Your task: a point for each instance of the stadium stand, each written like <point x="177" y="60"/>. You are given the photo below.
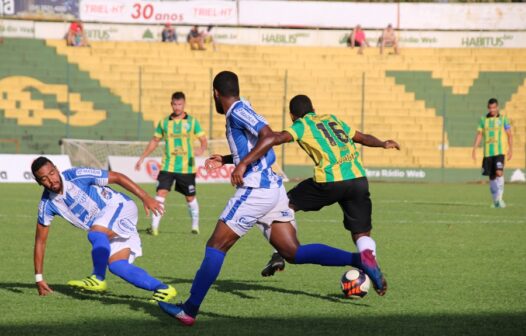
<point x="404" y="96"/>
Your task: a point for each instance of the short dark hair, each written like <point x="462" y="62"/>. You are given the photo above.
<point x="227" y="84"/>
<point x="178" y="95"/>
<point x="38" y="163"/>
<point x="300" y="105"/>
<point x="493" y="101"/>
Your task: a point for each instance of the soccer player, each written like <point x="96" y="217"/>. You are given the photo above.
<point x="82" y="197"/>
<point x="178" y="131"/>
<point x="339" y="176"/>
<point x="494" y="127"/>
<point x="260" y="198"/>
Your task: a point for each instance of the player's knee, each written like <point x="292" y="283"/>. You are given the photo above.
<point x="117" y="267"/>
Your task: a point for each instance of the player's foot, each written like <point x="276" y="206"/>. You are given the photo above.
<point x="502" y="204"/>
<point x="152" y="232"/>
<point x="276" y="263"/>
<point x="164" y="295"/>
<point x="90" y="283"/>
<point x="176" y="311"/>
<point x="195" y="229"/>
<point x="370" y="267"/>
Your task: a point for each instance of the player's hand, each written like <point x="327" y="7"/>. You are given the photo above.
<point x="474" y="154"/>
<point x="213" y="162"/>
<point x="43" y="288"/>
<point x="510" y="154"/>
<point x="391" y="144"/>
<point x="237" y="175"/>
<point x="153" y="205"/>
<point x="138" y="164"/>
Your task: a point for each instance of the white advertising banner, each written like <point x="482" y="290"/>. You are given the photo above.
<point x="17" y="167"/>
<point x="177" y="12"/>
<point x="17" y="28"/>
<point x="152" y="166"/>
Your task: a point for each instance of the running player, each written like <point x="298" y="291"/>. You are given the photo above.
<point x="178" y="131"/>
<point x="339" y="176"/>
<point x="261" y="199"/>
<point x="494" y="127"/>
<point x="81" y="196"/>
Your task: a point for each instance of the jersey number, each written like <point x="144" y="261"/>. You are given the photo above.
<point x="340" y="134"/>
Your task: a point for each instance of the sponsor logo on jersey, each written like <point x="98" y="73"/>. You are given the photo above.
<point x="88" y="171"/>
<point x="248" y="117"/>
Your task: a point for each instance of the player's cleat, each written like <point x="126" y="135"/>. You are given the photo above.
<point x="152" y="232"/>
<point x="276" y="263"/>
<point x="370" y="267"/>
<point x="502" y="204"/>
<point x="195" y="230"/>
<point x="176" y="311"/>
<point x="90" y="283"/>
<point x="164" y="295"/>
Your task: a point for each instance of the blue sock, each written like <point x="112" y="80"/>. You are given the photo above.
<point x="135" y="275"/>
<point x="326" y="256"/>
<point x="204" y="278"/>
<point x="100" y="253"/>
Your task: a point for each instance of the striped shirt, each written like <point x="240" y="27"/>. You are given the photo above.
<point x="179" y="136"/>
<point x="242" y="128"/>
<point x="328" y="141"/>
<point x="85" y="194"/>
<point x="494" y="131"/>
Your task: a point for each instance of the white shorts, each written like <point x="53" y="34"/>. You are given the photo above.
<point x="121" y="218"/>
<point x="251" y="206"/>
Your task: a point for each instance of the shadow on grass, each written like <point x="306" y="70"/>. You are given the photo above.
<point x="392" y="325"/>
<point x="241" y="288"/>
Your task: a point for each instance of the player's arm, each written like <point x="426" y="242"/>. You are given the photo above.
<point x="510" y="143"/>
<point x="38" y="259"/>
<point x="125" y="182"/>
<point x="266" y="140"/>
<point x="203" y="145"/>
<point x="154" y="142"/>
<point x="372" y="141"/>
<point x="476" y="144"/>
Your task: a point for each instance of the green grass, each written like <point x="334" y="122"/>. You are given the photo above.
<point x="454" y="266"/>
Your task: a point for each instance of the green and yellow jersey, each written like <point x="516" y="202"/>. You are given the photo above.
<point x="494" y="131"/>
<point x="328" y="141"/>
<point x="179" y="136"/>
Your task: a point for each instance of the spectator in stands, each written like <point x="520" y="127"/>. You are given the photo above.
<point x="357" y="39"/>
<point x="168" y="34"/>
<point x="207" y="37"/>
<point x="195" y="39"/>
<point x="388" y="39"/>
<point x="76" y="37"/>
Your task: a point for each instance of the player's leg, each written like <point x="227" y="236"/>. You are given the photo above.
<point x="165" y="181"/>
<point x="99" y="237"/>
<point x="276" y="262"/>
<point x="499" y="178"/>
<point x="121" y="264"/>
<point x="185" y="184"/>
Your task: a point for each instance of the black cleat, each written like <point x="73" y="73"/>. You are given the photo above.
<point x="276" y="263"/>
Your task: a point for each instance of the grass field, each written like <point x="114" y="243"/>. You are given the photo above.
<point x="454" y="266"/>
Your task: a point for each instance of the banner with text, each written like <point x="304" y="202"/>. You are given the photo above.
<point x="176" y="12"/>
<point x="40" y="9"/>
<point x="17" y="167"/>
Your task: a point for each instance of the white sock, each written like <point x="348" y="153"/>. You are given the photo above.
<point x="500" y="186"/>
<point x="156" y="219"/>
<point x="193" y="210"/>
<point x="366" y="243"/>
<point x="494" y="189"/>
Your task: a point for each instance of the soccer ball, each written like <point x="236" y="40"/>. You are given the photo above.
<point x="355" y="284"/>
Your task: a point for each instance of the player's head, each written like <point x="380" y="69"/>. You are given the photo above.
<point x="299" y="106"/>
<point x="493" y="106"/>
<point x="46" y="174"/>
<point x="178" y="103"/>
<point x="226" y="86"/>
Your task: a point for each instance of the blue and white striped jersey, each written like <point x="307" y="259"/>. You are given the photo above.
<point x="85" y="194"/>
<point x="242" y="127"/>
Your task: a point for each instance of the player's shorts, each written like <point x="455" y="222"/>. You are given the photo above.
<point x="184" y="183"/>
<point x="121" y="218"/>
<point x="351" y="195"/>
<point x="251" y="206"/>
<point x="490" y="165"/>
